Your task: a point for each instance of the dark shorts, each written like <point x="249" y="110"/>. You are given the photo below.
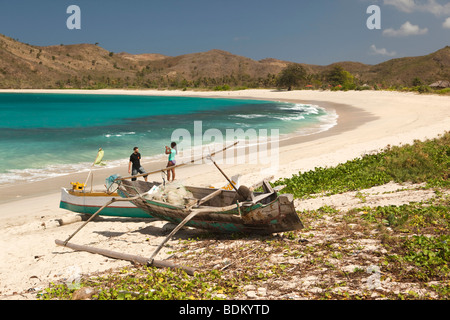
<point x="137" y="171"/>
<point x="171" y="163"/>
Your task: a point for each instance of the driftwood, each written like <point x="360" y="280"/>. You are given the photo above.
<point x="127" y="257"/>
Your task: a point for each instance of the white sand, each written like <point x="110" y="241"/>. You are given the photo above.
<point x="30" y="259"/>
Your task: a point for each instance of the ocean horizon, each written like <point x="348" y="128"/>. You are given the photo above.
<point x="44" y="135"/>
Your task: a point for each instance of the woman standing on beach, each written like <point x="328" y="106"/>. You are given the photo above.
<point x="172" y="151"/>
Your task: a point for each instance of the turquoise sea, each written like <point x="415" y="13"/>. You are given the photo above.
<point x="46" y="135"/>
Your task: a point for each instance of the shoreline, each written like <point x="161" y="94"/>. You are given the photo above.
<point x="24" y="190"/>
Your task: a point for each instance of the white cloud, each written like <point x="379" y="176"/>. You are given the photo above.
<point x="382" y="52"/>
<point x="402" y="5"/>
<point x="446" y="24"/>
<point x="409" y="6"/>
<point x="407" y="29"/>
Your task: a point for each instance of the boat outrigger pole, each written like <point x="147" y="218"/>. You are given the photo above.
<point x="209" y="157"/>
<point x="177" y="166"/>
<point x="95" y="214"/>
<point x="119" y="255"/>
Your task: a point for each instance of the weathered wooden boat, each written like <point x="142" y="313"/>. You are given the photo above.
<point x="220" y="210"/>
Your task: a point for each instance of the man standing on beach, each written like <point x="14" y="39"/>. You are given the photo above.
<point x="135" y="164"/>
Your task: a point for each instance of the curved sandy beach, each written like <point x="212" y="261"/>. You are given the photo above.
<point x="368" y="121"/>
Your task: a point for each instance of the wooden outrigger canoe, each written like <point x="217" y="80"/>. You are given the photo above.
<point x="218" y="210"/>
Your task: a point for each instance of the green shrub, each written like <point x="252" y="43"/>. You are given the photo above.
<point x="427" y="161"/>
<point x="430" y="254"/>
<point x="443" y="91"/>
<point x="225" y="87"/>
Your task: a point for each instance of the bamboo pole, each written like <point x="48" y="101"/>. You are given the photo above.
<point x="223" y="173"/>
<point x="125" y="256"/>
<point x="182" y="223"/>
<point x="178" y="165"/>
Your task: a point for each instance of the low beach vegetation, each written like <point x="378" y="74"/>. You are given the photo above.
<point x="427" y="161"/>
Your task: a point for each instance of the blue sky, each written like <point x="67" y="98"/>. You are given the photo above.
<point x="314" y="32"/>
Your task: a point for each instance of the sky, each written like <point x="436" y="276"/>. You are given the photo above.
<point x="314" y="32"/>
